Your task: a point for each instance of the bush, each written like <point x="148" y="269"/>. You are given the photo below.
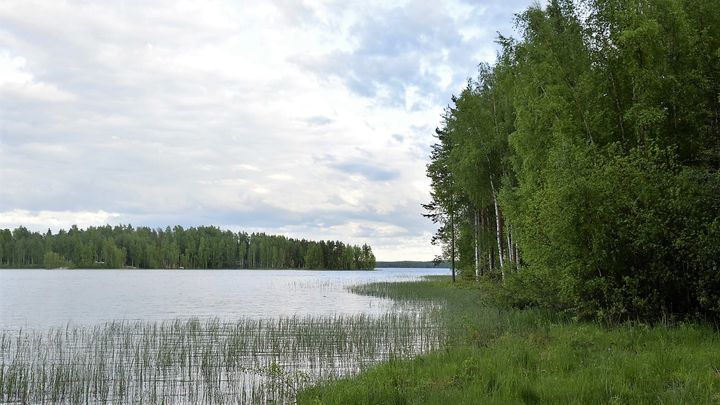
<point x="634" y="236"/>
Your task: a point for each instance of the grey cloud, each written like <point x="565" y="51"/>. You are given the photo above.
<point x="391" y="49"/>
<point x="318" y="120"/>
<point x="365" y="167"/>
<point x="407" y="220"/>
<point x="296" y="12"/>
<point x="398" y="48"/>
<point x="368" y="171"/>
<point x="156" y="140"/>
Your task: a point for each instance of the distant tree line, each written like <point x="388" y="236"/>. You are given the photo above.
<point x="581" y="170"/>
<point x="412" y="264"/>
<point x="204" y="247"/>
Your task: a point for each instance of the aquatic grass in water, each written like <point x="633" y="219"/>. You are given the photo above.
<point x="204" y="361"/>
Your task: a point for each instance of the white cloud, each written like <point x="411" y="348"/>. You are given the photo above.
<point x="291" y="117"/>
<point x="17" y="82"/>
<point x="56" y="220"/>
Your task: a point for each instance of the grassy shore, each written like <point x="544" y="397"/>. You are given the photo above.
<point x="502" y="355"/>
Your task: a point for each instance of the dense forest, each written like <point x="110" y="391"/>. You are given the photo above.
<point x="204" y="247"/>
<point x="580" y="171"/>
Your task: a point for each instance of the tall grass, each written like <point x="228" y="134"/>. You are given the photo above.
<point x="248" y="361"/>
<point x="508" y="356"/>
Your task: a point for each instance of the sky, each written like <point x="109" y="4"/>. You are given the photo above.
<point x="311" y="119"/>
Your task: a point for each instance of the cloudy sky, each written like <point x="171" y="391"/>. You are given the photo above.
<point x="305" y="118"/>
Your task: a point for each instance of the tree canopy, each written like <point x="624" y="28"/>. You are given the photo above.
<point x="204" y="247"/>
<point x="582" y="167"/>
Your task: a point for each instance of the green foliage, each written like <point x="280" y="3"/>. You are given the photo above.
<point x="52" y="260"/>
<point x="503" y="356"/>
<point x="314" y="258"/>
<point x="598" y="132"/>
<point x="202" y="247"/>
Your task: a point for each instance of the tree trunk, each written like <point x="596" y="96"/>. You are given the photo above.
<point x="514" y="248"/>
<point x="509" y="245"/>
<point x="499" y="231"/>
<point x="452" y="243"/>
<point x="483" y="226"/>
<point x="477" y="245"/>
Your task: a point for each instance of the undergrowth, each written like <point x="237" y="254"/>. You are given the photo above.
<point x="533" y="356"/>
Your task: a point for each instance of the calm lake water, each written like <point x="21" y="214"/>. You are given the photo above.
<point x="40" y="299"/>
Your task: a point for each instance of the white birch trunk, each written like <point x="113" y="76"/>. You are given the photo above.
<point x="499" y="231"/>
<point x="452" y="243"/>
<point x="477" y="245"/>
<point x="509" y="245"/>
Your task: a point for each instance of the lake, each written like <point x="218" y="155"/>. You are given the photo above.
<point x="40" y="299"/>
<point x="198" y="336"/>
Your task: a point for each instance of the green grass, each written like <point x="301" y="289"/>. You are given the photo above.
<point x="500" y="355"/>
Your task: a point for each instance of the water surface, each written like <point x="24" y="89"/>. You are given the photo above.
<point x="40" y="299"/>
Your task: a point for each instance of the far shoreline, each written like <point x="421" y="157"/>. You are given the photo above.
<point x="194" y="269"/>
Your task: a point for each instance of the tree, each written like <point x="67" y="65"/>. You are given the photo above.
<point x="314" y="257"/>
<point x="202" y="247"/>
<point x="584" y="163"/>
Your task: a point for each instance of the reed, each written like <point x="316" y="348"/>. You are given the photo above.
<point x="209" y="361"/>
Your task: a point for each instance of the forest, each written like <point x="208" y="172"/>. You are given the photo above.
<point x="579" y="172"/>
<point x="204" y="247"/>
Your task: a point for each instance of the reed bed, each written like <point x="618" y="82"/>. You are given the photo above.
<point x="208" y="361"/>
<point x="425" y="291"/>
